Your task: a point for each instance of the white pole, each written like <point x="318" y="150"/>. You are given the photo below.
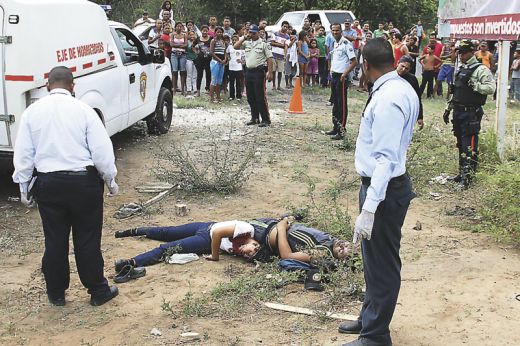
<point x="502" y="93"/>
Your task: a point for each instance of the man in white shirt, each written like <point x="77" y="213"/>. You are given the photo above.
<point x="343" y="61"/>
<point x="145" y="19"/>
<point x="279" y="42"/>
<point x="65" y="142"/>
<point x="385" y="133"/>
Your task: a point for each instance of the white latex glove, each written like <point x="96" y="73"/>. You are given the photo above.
<point x="363" y="227"/>
<point x="113" y="188"/>
<point x="27" y="200"/>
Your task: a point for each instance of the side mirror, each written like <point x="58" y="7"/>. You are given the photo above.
<point x="158" y="56"/>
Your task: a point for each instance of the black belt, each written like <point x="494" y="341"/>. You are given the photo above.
<point x="89" y="170"/>
<point x="336" y="74"/>
<point x="397" y="180"/>
<point x="463" y="108"/>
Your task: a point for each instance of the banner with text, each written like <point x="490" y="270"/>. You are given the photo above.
<point x="499" y="27"/>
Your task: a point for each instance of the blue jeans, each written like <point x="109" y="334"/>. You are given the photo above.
<point x="515" y="84"/>
<point x="189" y="238"/>
<point x="291" y="265"/>
<point x="178" y="62"/>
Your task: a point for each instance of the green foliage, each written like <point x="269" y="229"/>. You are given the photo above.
<point x="326" y="213"/>
<point x="403" y="13"/>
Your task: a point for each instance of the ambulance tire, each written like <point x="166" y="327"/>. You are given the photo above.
<point x="159" y="122"/>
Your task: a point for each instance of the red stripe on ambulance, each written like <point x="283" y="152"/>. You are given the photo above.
<point x="101" y="61"/>
<point x="87" y="65"/>
<point x="16" y="78"/>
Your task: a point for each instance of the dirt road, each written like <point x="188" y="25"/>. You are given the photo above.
<point x="458" y="288"/>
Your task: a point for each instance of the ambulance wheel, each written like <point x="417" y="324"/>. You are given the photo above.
<point x="159" y="121"/>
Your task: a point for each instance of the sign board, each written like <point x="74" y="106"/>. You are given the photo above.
<point x="481" y="19"/>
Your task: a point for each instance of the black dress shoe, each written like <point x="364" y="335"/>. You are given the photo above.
<point x="56" y="301"/>
<point x="252" y="122"/>
<point x="264" y="124"/>
<point x="337" y="137"/>
<point x="119" y="264"/>
<point x="367" y="342"/>
<point x="331" y="132"/>
<point x="97" y="300"/>
<point x="350" y="327"/>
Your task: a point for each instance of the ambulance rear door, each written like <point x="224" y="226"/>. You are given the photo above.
<point x="5" y="118"/>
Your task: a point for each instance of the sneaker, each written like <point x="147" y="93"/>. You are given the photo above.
<point x="252" y="122"/>
<point x="119" y="264"/>
<point x="97" y="300"/>
<point x="328" y="103"/>
<point x="338" y="136"/>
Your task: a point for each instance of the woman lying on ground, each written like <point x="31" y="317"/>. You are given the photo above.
<point x="234" y="237"/>
<point x="258" y="239"/>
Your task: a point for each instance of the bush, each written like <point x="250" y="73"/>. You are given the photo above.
<point x="223" y="168"/>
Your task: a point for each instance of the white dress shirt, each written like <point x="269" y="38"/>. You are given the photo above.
<point x="341" y="54"/>
<point x="61" y="133"/>
<point x="241" y="228"/>
<point x="384" y="135"/>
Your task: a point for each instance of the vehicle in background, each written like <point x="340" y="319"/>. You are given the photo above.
<point x="327" y="18"/>
<point x="114" y="73"/>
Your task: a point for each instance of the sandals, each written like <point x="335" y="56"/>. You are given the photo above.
<point x="129" y="272"/>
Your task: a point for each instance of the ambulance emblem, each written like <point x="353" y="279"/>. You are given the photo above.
<point x="142" y="85"/>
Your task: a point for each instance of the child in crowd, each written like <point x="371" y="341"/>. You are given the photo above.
<point x="428" y="62"/>
<point x="292" y="60"/>
<point x="312" y="66"/>
<point x="236" y="56"/>
<point x="303" y="55"/>
<point x="191" y="69"/>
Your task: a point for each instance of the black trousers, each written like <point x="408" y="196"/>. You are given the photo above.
<point x="428" y="78"/>
<point x="72" y="202"/>
<point x="339" y="101"/>
<point x="202" y="64"/>
<point x="323" y="71"/>
<point x="381" y="261"/>
<point x="256" y="97"/>
<point x="466" y="128"/>
<point x="235" y="84"/>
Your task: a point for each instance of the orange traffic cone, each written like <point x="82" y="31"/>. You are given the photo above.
<point x="295" y="106"/>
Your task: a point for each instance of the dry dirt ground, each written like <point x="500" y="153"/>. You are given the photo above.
<point x="458" y="288"/>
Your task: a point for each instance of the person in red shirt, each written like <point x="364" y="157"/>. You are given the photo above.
<point x="400" y="48"/>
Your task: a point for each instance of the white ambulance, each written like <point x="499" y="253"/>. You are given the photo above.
<point x="113" y="71"/>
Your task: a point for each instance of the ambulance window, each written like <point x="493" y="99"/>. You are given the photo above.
<point x="130" y="48"/>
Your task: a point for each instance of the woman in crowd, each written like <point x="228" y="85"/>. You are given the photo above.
<point x="204" y="58"/>
<point x="166" y="6"/>
<point x="219" y="55"/>
<point x="191" y="69"/>
<point x="303" y="55"/>
<point x="179" y="44"/>
<point x="155" y="34"/>
<point x="164" y="41"/>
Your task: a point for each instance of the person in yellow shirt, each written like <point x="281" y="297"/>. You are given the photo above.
<point x="485" y="57"/>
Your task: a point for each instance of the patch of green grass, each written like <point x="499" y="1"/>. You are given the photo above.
<point x="196" y="102"/>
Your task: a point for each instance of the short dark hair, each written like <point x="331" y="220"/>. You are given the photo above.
<point x="226" y="17"/>
<point x="398" y="36"/>
<point x="285" y="22"/>
<point x="378" y="53"/>
<point x="204" y="27"/>
<point x="60" y="75"/>
<point x="406" y="58"/>
<point x="334" y="24"/>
